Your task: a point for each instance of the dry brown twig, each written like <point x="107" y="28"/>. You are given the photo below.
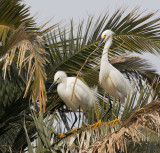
<point x="82" y="68"/>
<point x="87" y="61"/>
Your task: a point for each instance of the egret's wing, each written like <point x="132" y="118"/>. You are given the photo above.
<point x="79" y="90"/>
<point x="119" y="81"/>
<point x="85" y="97"/>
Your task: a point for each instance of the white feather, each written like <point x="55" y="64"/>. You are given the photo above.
<point x="83" y="96"/>
<point x="111" y="79"/>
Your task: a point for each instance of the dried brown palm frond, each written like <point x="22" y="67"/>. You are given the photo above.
<point x="108" y="139"/>
<point x="69" y="53"/>
<point x="146" y="117"/>
<point x="28" y="52"/>
<point x="151" y="108"/>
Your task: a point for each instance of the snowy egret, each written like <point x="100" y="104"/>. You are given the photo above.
<point x="111" y="79"/>
<point x="83" y="96"/>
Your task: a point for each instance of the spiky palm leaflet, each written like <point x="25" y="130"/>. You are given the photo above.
<point x="69" y="52"/>
<point x="133" y="34"/>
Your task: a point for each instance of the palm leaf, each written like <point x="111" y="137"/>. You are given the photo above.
<point x="17" y="30"/>
<point x="12" y="17"/>
<point x="135" y="39"/>
<point x="134" y="129"/>
<point x="15" y="13"/>
<point x="69" y="50"/>
<point x="142" y="121"/>
<point x="24" y="42"/>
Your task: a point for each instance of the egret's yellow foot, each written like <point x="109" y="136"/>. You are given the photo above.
<point x="73" y="130"/>
<point x="113" y="122"/>
<point x="97" y="124"/>
<point x="60" y="135"/>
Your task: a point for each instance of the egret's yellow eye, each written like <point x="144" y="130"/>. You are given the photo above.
<point x="57" y="79"/>
<point x="104" y="36"/>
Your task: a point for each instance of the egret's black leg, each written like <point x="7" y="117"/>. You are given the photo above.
<point x="74" y="120"/>
<point x="119" y="107"/>
<point x="110" y="107"/>
<point x="79" y="117"/>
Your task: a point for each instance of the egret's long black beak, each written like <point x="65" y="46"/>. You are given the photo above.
<point x="52" y="85"/>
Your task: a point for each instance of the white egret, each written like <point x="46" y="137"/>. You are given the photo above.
<point x="111" y="79"/>
<point x="83" y="96"/>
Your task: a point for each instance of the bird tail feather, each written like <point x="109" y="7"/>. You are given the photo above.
<point x="95" y="96"/>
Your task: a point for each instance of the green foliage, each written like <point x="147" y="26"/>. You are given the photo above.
<point x="11" y="18"/>
<point x="134" y="33"/>
<point x="87" y="138"/>
<point x="67" y="49"/>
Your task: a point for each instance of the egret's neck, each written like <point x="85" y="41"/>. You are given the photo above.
<point x="106" y="49"/>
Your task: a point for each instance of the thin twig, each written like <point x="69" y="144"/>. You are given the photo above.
<point x="86" y="62"/>
<point x="82" y="68"/>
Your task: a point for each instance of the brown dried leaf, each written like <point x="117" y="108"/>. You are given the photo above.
<point x="28" y="43"/>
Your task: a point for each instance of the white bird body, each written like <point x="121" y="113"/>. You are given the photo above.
<point x="111" y="79"/>
<point x="83" y="96"/>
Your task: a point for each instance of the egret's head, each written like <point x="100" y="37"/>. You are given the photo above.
<point x="107" y="34"/>
<point x="59" y="76"/>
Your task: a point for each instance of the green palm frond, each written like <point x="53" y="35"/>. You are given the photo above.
<point x="18" y="36"/>
<point x="140" y="127"/>
<point x="14" y="13"/>
<point x="30" y="51"/>
<point x="12" y="106"/>
<point x="12" y="17"/>
<point x="68" y="50"/>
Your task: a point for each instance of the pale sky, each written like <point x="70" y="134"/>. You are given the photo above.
<point x="78" y="9"/>
<point x="64" y="10"/>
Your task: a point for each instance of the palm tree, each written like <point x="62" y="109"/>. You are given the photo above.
<point x="67" y="49"/>
<point x="21" y="52"/>
<point x="138" y="130"/>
